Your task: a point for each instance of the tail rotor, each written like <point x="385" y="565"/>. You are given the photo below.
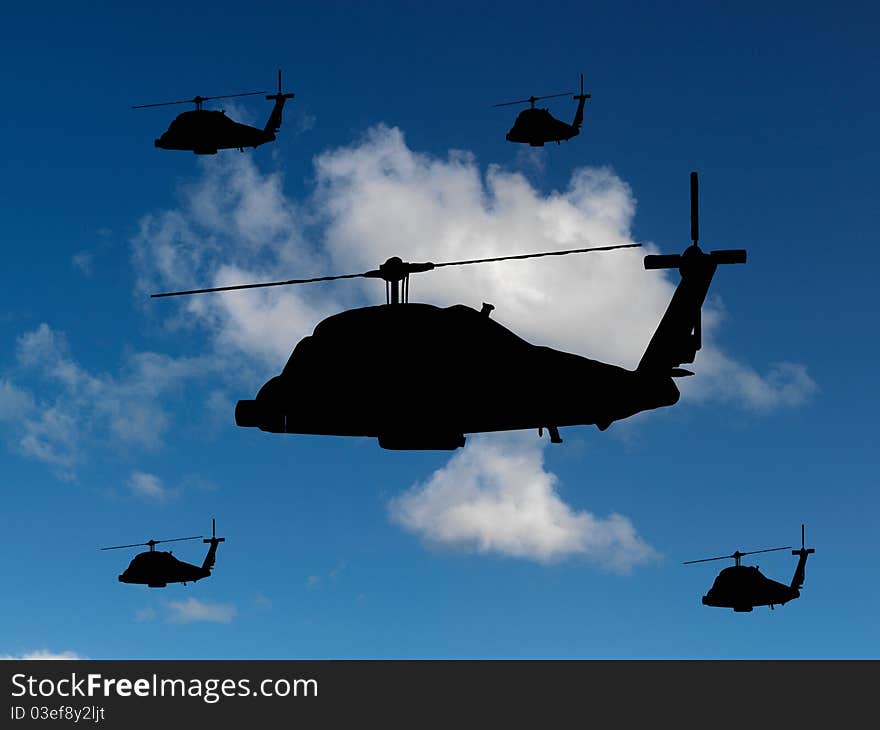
<point x="582" y="96"/>
<point x="280" y="95"/>
<point x="674" y="261"/>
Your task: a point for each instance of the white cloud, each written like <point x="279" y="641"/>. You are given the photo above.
<point x="235" y="226"/>
<point x="189" y="611"/>
<point x="262" y="601"/>
<point x="531" y="159"/>
<point x="786" y="384"/>
<point x="43" y="654"/>
<point x="145" y="615"/>
<point x="76" y="407"/>
<point x="495" y="496"/>
<point x="193" y="609"/>
<point x="14" y="401"/>
<point x="149" y="487"/>
<point x="315" y="581"/>
<point x="84" y="262"/>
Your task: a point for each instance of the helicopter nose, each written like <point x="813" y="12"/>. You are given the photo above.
<point x="247" y="413"/>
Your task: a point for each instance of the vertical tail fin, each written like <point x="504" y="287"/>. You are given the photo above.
<point x="579" y="114"/>
<point x="679" y="335"/>
<point x="211" y="557"/>
<point x="797" y="580"/>
<point x="273" y="124"/>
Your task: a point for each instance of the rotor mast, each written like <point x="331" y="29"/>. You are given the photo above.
<point x="395" y="272"/>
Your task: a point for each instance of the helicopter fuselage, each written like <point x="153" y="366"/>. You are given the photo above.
<point x="157" y="568"/>
<point x="204" y="131"/>
<point x="742" y="587"/>
<point x="537" y="126"/>
<point x="417" y="376"/>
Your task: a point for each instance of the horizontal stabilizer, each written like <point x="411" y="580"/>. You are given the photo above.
<point x="663" y="261"/>
<point x="673" y="261"/>
<point x="729" y="256"/>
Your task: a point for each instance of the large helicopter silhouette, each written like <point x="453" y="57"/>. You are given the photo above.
<point x="204" y="131"/>
<point x="417" y="376"/>
<point x="535" y="126"/>
<point x="156" y="568"/>
<point x="742" y="587"/>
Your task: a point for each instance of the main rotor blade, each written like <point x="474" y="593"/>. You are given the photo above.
<point x="256" y="286"/>
<point x="198" y="99"/>
<point x="531" y="99"/>
<point x="163" y="103"/>
<point x="152" y="542"/>
<point x="706" y="560"/>
<point x="768" y="550"/>
<point x="733" y="556"/>
<point x="230" y="96"/>
<point x="117" y="547"/>
<point x="538" y="255"/>
<point x="695" y="207"/>
<point x="377" y="274"/>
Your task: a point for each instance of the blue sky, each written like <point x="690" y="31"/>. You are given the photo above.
<point x="116" y="411"/>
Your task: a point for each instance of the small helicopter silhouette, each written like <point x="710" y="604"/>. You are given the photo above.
<point x="536" y="126"/>
<point x="156" y="568"/>
<point x="205" y="131"/>
<point x="417" y="376"/>
<point x="742" y="587"/>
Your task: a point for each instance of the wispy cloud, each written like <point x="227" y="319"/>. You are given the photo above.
<point x="43" y="654"/>
<point x="55" y="408"/>
<point x="316" y="581"/>
<point x="785" y="385"/>
<point x="192" y="610"/>
<point x="149" y="487"/>
<point x="146" y="615"/>
<point x="84" y="262"/>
